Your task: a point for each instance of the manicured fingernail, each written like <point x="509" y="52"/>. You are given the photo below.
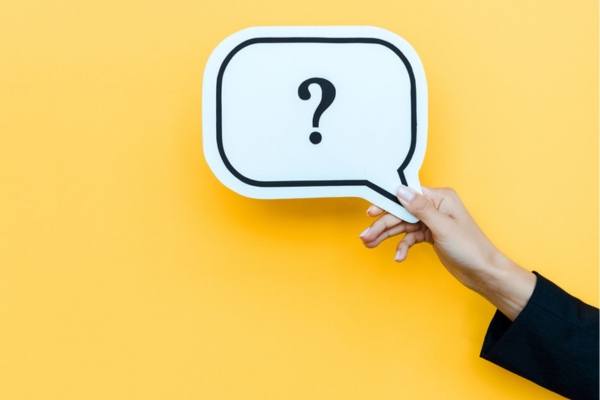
<point x="364" y="232"/>
<point x="406" y="193"/>
<point x="369" y="210"/>
<point x="397" y="259"/>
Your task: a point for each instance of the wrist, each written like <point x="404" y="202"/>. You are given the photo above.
<point x="506" y="285"/>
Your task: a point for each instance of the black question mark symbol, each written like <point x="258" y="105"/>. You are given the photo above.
<point x="327" y="97"/>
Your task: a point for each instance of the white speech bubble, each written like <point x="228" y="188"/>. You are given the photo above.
<point x="264" y="138"/>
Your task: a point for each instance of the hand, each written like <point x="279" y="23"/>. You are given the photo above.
<point x="458" y="242"/>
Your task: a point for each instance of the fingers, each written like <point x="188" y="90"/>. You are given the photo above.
<point x="402" y="227"/>
<point x="440" y="212"/>
<point x="374" y="211"/>
<point x="409" y="240"/>
<point x="386" y="221"/>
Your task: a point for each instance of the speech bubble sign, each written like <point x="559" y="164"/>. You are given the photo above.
<point x="303" y="112"/>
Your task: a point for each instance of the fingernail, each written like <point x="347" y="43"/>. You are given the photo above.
<point x="364" y="232"/>
<point x="369" y="210"/>
<point x="397" y="259"/>
<point x="406" y="193"/>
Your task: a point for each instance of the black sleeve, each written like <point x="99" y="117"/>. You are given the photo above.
<point x="553" y="342"/>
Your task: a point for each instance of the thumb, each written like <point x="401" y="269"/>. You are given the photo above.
<point x="419" y="206"/>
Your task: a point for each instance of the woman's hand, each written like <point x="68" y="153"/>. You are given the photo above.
<point x="459" y="244"/>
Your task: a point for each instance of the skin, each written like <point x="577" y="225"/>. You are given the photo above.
<point x="459" y="243"/>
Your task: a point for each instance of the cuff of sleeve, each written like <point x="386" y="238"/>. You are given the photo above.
<point x="550" y="342"/>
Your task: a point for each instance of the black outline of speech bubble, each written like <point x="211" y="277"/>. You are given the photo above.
<point x="361" y="182"/>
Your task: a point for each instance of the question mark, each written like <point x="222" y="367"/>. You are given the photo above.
<point x="327" y="97"/>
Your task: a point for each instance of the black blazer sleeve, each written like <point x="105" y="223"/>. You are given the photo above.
<point x="553" y="342"/>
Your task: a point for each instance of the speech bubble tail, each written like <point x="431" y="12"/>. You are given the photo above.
<point x="384" y="194"/>
<point x="400" y="212"/>
<point x="390" y="206"/>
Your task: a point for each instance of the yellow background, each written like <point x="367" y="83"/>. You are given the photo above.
<point x="127" y="271"/>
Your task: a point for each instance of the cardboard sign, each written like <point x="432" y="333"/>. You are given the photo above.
<point x="300" y="112"/>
